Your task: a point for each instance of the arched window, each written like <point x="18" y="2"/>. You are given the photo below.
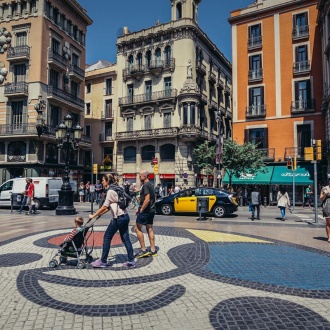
<point x="139" y="60"/>
<point x="130" y="155"/>
<point x="158" y="55"/>
<point x="167" y="152"/>
<point x="178" y="11"/>
<point x="148" y="58"/>
<point x="192" y="113"/>
<point x="130" y="61"/>
<point x="167" y="55"/>
<point x="194" y="13"/>
<point x="148" y="153"/>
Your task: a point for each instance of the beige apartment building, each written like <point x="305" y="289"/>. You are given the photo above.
<point x="173" y="84"/>
<point x="42" y="62"/>
<point x="101" y="101"/>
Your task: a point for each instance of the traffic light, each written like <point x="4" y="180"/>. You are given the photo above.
<point x="95" y="168"/>
<point x="156" y="169"/>
<point x="294" y="164"/>
<point x="308" y="153"/>
<point x="289" y="164"/>
<point x="318" y="150"/>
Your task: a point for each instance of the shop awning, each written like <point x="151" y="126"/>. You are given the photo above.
<point x="283" y="176"/>
<point x="257" y="178"/>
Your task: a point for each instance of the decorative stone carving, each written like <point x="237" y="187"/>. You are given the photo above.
<point x="5" y="39"/>
<point x="3" y="72"/>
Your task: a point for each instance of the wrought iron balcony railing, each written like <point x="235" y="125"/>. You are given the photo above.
<point x="291" y="152"/>
<point x="255" y="42"/>
<point x="256" y="75"/>
<point x="212" y="76"/>
<point x="255" y="111"/>
<point x="268" y="154"/>
<point x="148" y="97"/>
<point x="55" y="57"/>
<point x="201" y="67"/>
<point x="18" y="52"/>
<point x="108" y="113"/>
<point x="17" y="88"/>
<point x="146" y="134"/>
<point x="65" y="96"/>
<point x="74" y="69"/>
<point x="303" y="106"/>
<point x="106" y="138"/>
<point x="300" y="32"/>
<point x="301" y="67"/>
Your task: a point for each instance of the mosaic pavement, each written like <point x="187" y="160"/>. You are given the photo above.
<point x="200" y="280"/>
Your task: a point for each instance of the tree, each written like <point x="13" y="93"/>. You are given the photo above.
<point x="239" y="159"/>
<point x="204" y="157"/>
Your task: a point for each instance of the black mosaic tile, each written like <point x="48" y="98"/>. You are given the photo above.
<point x="17" y="259"/>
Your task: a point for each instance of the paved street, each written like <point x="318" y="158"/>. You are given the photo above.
<point x="228" y="273"/>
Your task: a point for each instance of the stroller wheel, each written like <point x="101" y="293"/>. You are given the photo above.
<point x="81" y="265"/>
<point x="53" y="264"/>
<point x="89" y="259"/>
<point x="63" y="260"/>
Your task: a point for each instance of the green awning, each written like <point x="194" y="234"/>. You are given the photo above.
<point x="257" y="178"/>
<point x="283" y="176"/>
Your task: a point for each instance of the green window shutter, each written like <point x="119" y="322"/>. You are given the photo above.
<point x="25" y="112"/>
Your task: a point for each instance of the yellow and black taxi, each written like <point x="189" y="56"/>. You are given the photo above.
<point x="215" y="201"/>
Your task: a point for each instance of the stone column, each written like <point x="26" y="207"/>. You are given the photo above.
<point x="10" y="9"/>
<point x="28" y="6"/>
<point x="65" y="24"/>
<point x="19" y="7"/>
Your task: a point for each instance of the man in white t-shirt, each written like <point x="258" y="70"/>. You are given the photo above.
<point x="176" y="189"/>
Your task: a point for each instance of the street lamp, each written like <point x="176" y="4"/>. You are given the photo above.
<point x="68" y="137"/>
<point x="218" y="157"/>
<point x="40" y="107"/>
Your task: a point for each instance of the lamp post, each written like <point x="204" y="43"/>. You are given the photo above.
<point x="218" y="156"/>
<point x="68" y="137"/>
<point x="40" y="107"/>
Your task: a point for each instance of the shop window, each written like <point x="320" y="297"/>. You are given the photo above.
<point x="130" y="155"/>
<point x="148" y="153"/>
<point x="167" y="152"/>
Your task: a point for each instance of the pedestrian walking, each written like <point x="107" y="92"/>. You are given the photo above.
<point x="325" y="198"/>
<point x="308" y="196"/>
<point x="244" y="196"/>
<point x="81" y="191"/>
<point x="30" y="201"/>
<point x="98" y="190"/>
<point x="145" y="216"/>
<point x="283" y="201"/>
<point x="25" y="197"/>
<point x="119" y="222"/>
<point x="255" y="202"/>
<point x="87" y="192"/>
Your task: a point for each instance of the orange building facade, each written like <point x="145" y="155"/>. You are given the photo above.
<point x="277" y="79"/>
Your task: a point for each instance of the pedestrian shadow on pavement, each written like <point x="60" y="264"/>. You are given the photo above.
<point x="323" y="238"/>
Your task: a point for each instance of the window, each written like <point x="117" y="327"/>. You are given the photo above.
<point x="147" y="122"/>
<point x="168" y="55"/>
<point x="168" y="86"/>
<point x="54" y="78"/>
<point x="300" y="25"/>
<point x="108" y="130"/>
<point x="75" y="60"/>
<point x="108" y="109"/>
<point x="255" y="67"/>
<point x="88" y="109"/>
<point x="108" y="155"/>
<point x="139" y="60"/>
<point x="158" y="55"/>
<point x="130" y="155"/>
<point x="21" y="39"/>
<point x="74" y="88"/>
<point x="192" y="113"/>
<point x="185" y="114"/>
<point x="19" y="73"/>
<point x="147" y="153"/>
<point x="108" y="86"/>
<point x="178" y="11"/>
<point x="167" y="152"/>
<point x="301" y="59"/>
<point x="88" y="130"/>
<point x="130" y="124"/>
<point x="88" y="88"/>
<point x="130" y="62"/>
<point x="17" y="114"/>
<point x="258" y="137"/>
<point x="256" y="100"/>
<point x="56" y="46"/>
<point x="303" y="94"/>
<point x="304" y="136"/>
<point x="148" y="89"/>
<point x="55" y="115"/>
<point x="130" y="93"/>
<point x="148" y="58"/>
<point x="255" y="39"/>
<point x="167" y="120"/>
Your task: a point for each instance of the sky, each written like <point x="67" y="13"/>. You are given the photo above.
<point x="110" y="15"/>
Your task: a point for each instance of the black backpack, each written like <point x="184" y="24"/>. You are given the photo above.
<point x="123" y="198"/>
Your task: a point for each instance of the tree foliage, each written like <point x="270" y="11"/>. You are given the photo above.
<point x="204" y="157"/>
<point x="243" y="158"/>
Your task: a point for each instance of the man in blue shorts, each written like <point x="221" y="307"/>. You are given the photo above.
<point x="145" y="216"/>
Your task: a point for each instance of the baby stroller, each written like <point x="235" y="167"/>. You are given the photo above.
<point x="76" y="249"/>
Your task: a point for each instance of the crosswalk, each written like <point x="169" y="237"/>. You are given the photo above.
<point x="309" y="218"/>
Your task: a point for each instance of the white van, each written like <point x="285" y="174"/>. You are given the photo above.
<point x="45" y="191"/>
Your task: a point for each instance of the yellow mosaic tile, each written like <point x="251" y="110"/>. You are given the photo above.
<point x="215" y="236"/>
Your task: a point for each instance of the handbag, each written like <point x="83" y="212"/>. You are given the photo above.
<point x="250" y="207"/>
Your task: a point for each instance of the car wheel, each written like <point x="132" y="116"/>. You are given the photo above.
<point x="37" y="203"/>
<point x="166" y="209"/>
<point x="219" y="211"/>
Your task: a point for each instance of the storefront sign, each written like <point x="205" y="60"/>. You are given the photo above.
<point x="167" y="176"/>
<point x="129" y="176"/>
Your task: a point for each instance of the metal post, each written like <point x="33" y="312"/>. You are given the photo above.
<point x="315" y="191"/>
<point x="218" y="151"/>
<point x="92" y="194"/>
<point x="293" y="189"/>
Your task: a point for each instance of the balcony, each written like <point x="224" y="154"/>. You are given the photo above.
<point x="57" y="60"/>
<point x="291" y="152"/>
<point x="147" y="134"/>
<point x="190" y="132"/>
<point x="299" y="32"/>
<point x="303" y="106"/>
<point x="24" y="129"/>
<point x="148" y="97"/>
<point x="76" y="72"/>
<point x="256" y="111"/>
<point x="135" y="71"/>
<point x="107" y="114"/>
<point x="17" y="89"/>
<point x="106" y="138"/>
<point x="301" y="67"/>
<point x="212" y="77"/>
<point x="203" y="97"/>
<point x="268" y="154"/>
<point x="19" y="53"/>
<point x="157" y="66"/>
<point x="220" y="84"/>
<point x="256" y="75"/>
<point x="65" y="97"/>
<point x="212" y="105"/>
<point x="227" y="89"/>
<point x="255" y="42"/>
<point x="200" y="68"/>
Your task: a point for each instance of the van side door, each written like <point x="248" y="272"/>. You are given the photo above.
<point x="5" y="193"/>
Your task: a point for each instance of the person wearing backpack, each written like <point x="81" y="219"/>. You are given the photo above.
<point x="115" y="203"/>
<point x="158" y="191"/>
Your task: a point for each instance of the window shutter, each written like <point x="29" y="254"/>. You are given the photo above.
<point x="25" y="112"/>
<point x="266" y="138"/>
<point x="250" y="62"/>
<point x="249" y="32"/>
<point x="294" y="21"/>
<point x="306" y="18"/>
<point x="309" y="92"/>
<point x="262" y="92"/>
<point x="297" y="54"/>
<point x="260" y="61"/>
<point x="296" y="90"/>
<point x="246" y="136"/>
<point x="250" y="97"/>
<point x="8" y="114"/>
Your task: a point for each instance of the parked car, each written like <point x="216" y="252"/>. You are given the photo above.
<point x="220" y="202"/>
<point x="46" y="191"/>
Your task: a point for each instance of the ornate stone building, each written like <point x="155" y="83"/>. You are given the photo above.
<point x="42" y="62"/>
<point x="173" y="86"/>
